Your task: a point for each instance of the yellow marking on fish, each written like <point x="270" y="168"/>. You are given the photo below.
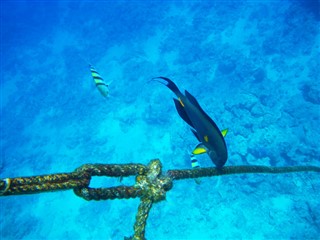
<point x="199" y="150"/>
<point x="206" y="138"/>
<point x="181" y="102"/>
<point x="224" y="132"/>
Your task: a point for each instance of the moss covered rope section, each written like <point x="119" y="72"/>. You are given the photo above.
<point x="43" y="183"/>
<point x="210" y="172"/>
<point x="153" y="182"/>
<point x="150" y="186"/>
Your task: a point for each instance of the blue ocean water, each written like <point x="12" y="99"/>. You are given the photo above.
<point x="252" y="65"/>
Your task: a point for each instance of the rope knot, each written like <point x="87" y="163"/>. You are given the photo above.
<point x="153" y="185"/>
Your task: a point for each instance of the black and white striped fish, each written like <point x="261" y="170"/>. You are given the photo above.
<point x="195" y="164"/>
<point x="102" y="86"/>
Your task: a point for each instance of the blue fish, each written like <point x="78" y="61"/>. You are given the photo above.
<point x="203" y="127"/>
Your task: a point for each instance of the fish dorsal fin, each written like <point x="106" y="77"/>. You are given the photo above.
<point x="182" y="112"/>
<point x="192" y="99"/>
<point x="224" y="132"/>
<point x="199" y="149"/>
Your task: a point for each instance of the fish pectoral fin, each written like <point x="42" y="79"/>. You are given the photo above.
<point x="224" y="132"/>
<point x="199" y="149"/>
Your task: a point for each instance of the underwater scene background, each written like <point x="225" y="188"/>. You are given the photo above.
<point x="252" y="65"/>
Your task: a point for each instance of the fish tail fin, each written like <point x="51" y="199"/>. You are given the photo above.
<point x="170" y="84"/>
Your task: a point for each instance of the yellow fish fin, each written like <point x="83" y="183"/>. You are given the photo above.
<point x="224" y="132"/>
<point x="206" y="138"/>
<point x="200" y="149"/>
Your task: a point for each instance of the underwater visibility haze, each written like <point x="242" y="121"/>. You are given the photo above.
<point x="76" y="88"/>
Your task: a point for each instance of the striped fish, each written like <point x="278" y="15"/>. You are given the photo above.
<point x="102" y="86"/>
<point x="194" y="162"/>
<point x="195" y="165"/>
